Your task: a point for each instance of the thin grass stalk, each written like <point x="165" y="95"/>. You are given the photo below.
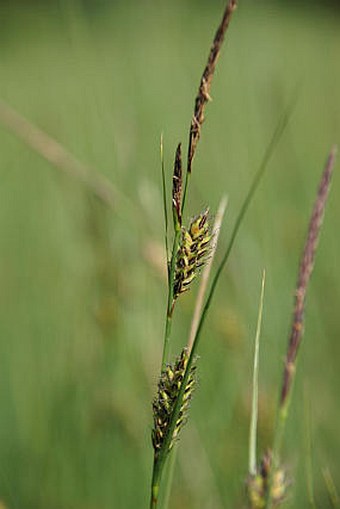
<point x="308" y="455"/>
<point x="255" y="395"/>
<point x="170" y="302"/>
<point x="56" y="154"/>
<point x="203" y="95"/>
<point x="159" y="465"/>
<point x="305" y="271"/>
<point x="177" y="223"/>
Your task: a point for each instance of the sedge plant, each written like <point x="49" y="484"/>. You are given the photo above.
<point x="187" y="252"/>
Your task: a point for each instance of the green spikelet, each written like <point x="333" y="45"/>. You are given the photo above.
<point x="163" y="405"/>
<point x="192" y="253"/>
<point x="258" y="485"/>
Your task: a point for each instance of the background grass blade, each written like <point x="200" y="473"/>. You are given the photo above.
<point x="252" y="467"/>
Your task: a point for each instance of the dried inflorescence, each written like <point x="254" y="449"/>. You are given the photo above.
<point x="258" y="484"/>
<point x="193" y="252"/>
<point x="168" y="390"/>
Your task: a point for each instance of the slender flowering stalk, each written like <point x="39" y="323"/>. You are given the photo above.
<point x="177" y="220"/>
<point x="203" y="95"/>
<point x="305" y="271"/>
<point x="308" y="455"/>
<point x="306" y="268"/>
<point x="178" y="198"/>
<point x="178" y="202"/>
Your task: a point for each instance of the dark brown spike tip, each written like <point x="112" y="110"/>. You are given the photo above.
<point x="203" y="95"/>
<point x="177" y="181"/>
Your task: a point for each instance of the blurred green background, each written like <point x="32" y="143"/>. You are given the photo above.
<point x="83" y="294"/>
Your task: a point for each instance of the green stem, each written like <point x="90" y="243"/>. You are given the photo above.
<point x="170" y="476"/>
<point x="187" y="178"/>
<point x="154" y="486"/>
<point x="170" y="304"/>
<point x="166" y="344"/>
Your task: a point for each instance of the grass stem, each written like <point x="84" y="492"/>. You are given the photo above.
<point x="57" y="155"/>
<point x="170" y="303"/>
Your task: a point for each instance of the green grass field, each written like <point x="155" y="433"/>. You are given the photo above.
<point x="83" y="296"/>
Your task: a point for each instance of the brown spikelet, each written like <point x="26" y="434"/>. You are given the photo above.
<point x="203" y="95"/>
<point x="177" y="189"/>
<point x="167" y="394"/>
<point x="305" y="271"/>
<point x="192" y="253"/>
<point x="258" y="484"/>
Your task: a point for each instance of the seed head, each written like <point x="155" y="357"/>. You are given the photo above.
<point x="164" y="403"/>
<point x="177" y="181"/>
<point x="192" y="252"/>
<point x="258" y="485"/>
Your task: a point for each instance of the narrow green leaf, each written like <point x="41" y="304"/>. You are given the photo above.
<point x="254" y="410"/>
<point x="165" y="205"/>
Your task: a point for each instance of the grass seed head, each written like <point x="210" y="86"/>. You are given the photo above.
<point x="192" y="253"/>
<point x="258" y="485"/>
<point x="168" y="389"/>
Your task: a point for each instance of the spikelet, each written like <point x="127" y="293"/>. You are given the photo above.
<point x="164" y="403"/>
<point x="192" y="253"/>
<point x="177" y="182"/>
<point x="258" y="485"/>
